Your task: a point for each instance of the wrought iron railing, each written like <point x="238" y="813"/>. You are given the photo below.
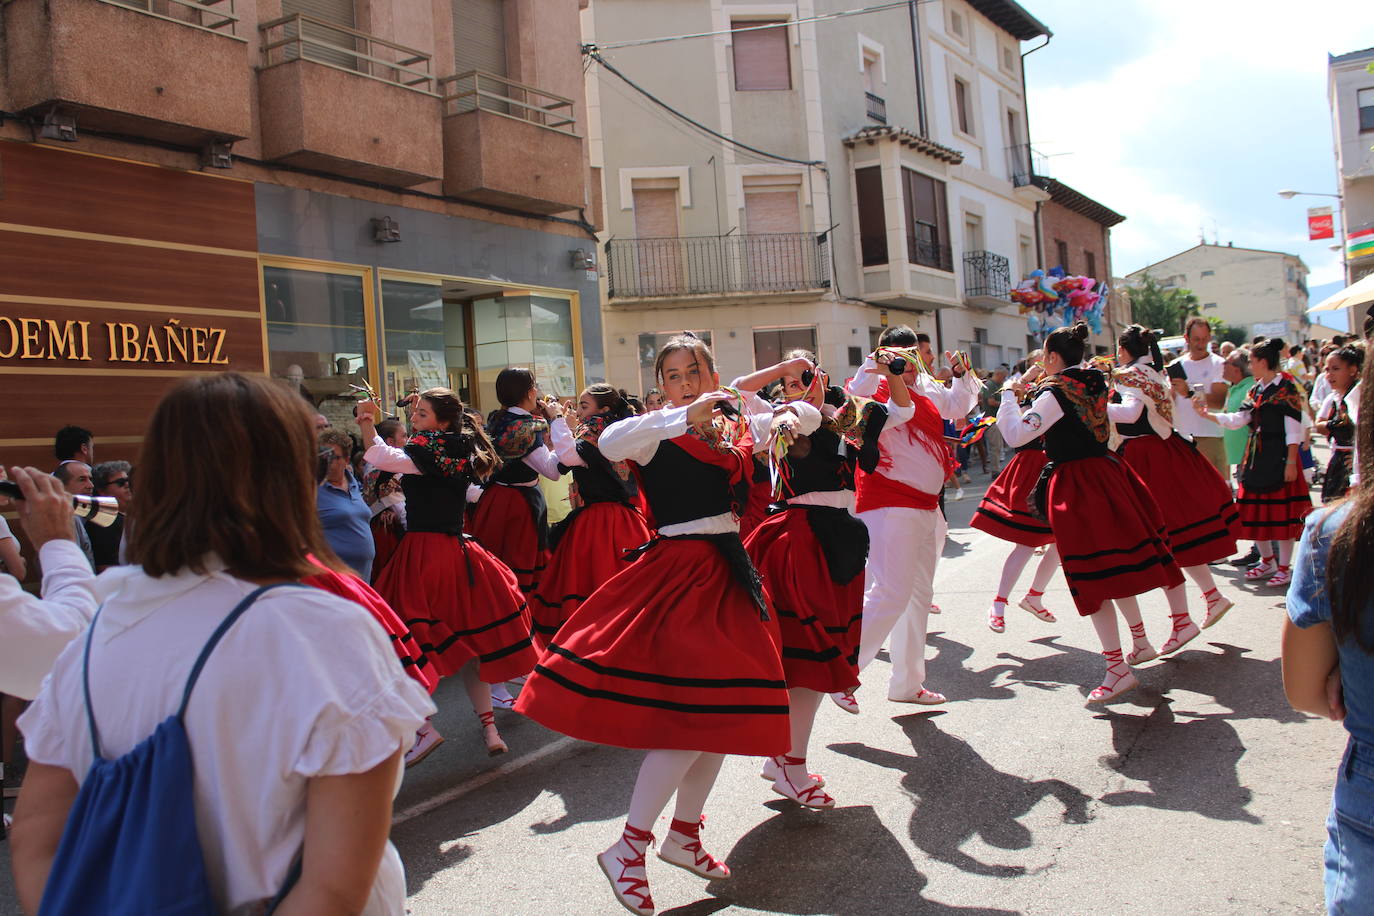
<point x="987" y="274"/>
<point x="210" y="15"/>
<point x="929" y="254"/>
<point x="877" y="107"/>
<point x="302" y="37"/>
<point x="727" y="264"/>
<point x="478" y="89"/>
<point x="1024" y="164"/>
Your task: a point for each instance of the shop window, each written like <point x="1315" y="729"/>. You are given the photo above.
<point x="762" y="58"/>
<point x="868" y="184"/>
<point x="525" y="330"/>
<point x="423" y="348"/>
<point x="317" y="337"/>
<point x="649" y="345"/>
<point x="771" y="343"/>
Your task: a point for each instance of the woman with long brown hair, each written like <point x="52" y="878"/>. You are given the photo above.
<point x="462" y="604"/>
<point x="301" y="703"/>
<point x="1328" y="660"/>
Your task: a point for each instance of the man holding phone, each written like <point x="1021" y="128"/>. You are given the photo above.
<point x="1199" y="371"/>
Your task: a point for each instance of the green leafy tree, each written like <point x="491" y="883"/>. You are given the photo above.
<point x="1155" y="307"/>
<point x="1222" y="332"/>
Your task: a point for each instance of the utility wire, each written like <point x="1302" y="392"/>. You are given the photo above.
<point x="635" y="43"/>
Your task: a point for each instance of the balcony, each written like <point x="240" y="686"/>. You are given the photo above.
<point x="877" y="107"/>
<point x="1024" y="164"/>
<point x="170" y="70"/>
<point x="511" y="145"/>
<point x="795" y="265"/>
<point x="348" y="103"/>
<point x="987" y="280"/>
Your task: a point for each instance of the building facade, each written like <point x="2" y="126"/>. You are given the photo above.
<point x="390" y="194"/>
<point x="876" y="173"/>
<point x="1262" y="292"/>
<point x="1077" y="233"/>
<point x="1350" y="90"/>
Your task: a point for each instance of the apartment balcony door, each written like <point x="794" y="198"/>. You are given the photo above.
<point x="660" y="266"/>
<point x="326" y="45"/>
<point x="773" y="253"/>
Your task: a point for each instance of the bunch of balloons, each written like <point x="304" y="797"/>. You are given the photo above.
<point x="1053" y="299"/>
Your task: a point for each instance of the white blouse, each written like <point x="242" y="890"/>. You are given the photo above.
<point x="1020" y="428"/>
<point x="34" y="631"/>
<point x="1292" y="429"/>
<point x="1134" y="402"/>
<point x="304" y="684"/>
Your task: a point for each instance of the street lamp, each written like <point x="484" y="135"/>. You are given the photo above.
<point x="1288" y="194"/>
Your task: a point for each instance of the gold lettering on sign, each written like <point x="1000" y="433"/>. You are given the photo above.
<point x="85" y="340"/>
<point x="217" y="335"/>
<point x="30" y="328"/>
<point x="61" y="340"/>
<point x="13" y="329"/>
<point x="113" y="351"/>
<point x="152" y="347"/>
<point x="133" y="350"/>
<point x="176" y="338"/>
<point x="198" y="346"/>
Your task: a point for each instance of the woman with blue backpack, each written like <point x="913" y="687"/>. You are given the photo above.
<point x="222" y="738"/>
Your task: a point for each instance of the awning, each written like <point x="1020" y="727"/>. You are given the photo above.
<point x="1361" y="293"/>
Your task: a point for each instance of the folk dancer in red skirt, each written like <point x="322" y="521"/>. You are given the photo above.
<point x="679" y="653"/>
<point x="1004" y="512"/>
<point x="1111" y="535"/>
<point x="382" y="492"/>
<point x="590" y="545"/>
<point x="1199" y="513"/>
<point x="512" y="519"/>
<point x="812" y="556"/>
<point x="899" y="501"/>
<point x="463" y="605"/>
<point x="1273" y="495"/>
<point x="1334" y="418"/>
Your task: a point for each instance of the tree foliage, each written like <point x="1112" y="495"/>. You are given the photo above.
<point x="1153" y="306"/>
<point x="1222" y="332"/>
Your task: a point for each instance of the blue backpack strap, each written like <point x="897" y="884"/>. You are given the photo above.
<point x="86" y="685"/>
<point x="223" y="628"/>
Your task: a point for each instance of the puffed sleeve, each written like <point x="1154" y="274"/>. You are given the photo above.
<point x="1130" y="408"/>
<point x="564" y="445"/>
<point x="636" y="438"/>
<point x="389" y="458"/>
<point x="1233" y="420"/>
<point x="1018" y="428"/>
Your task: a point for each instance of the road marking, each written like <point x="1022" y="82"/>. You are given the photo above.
<point x="454" y="793"/>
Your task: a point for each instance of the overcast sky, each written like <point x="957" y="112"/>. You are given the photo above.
<point x="1186" y="116"/>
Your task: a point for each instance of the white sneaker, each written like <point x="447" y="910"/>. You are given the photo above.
<point x="958" y="493"/>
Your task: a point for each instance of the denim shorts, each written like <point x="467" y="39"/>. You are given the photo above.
<point x="1350" y="835"/>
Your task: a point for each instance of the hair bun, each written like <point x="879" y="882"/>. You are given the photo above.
<point x="1154" y="334"/>
<point x="1081" y="331"/>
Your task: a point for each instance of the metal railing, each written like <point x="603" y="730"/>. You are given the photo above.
<point x="987" y="274"/>
<point x="929" y="254"/>
<point x="1023" y="164"/>
<point x="478" y="89"/>
<point x="877" y="107"/>
<point x="211" y="15"/>
<point x="724" y="264"/>
<point x="302" y="37"/>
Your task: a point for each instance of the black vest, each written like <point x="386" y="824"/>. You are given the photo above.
<point x="828" y="466"/>
<point x="1070" y="438"/>
<point x="435" y="503"/>
<point x="681" y="489"/>
<point x="1138" y="427"/>
<point x="598" y="482"/>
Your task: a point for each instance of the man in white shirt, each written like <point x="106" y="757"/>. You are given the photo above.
<point x="1199" y="371"/>
<point x="34" y="631"/>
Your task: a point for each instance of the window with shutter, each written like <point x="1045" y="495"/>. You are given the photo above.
<point x="479" y="36"/>
<point x="661" y="269"/>
<point x="927" y="217"/>
<point x="1090" y="262"/>
<point x="327" y="45"/>
<point x="868" y="187"/>
<point x="961" y="106"/>
<point x="774" y="249"/>
<point x="1062" y="249"/>
<point x="761" y="56"/>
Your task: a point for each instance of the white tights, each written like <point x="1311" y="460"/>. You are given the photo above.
<point x="690" y="774"/>
<point x="803" y="704"/>
<point x="1016" y="563"/>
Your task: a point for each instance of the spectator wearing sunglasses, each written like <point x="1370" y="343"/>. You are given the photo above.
<point x="113" y="479"/>
<point x="344" y="515"/>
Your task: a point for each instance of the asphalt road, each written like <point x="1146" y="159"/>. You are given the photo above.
<point x="1201" y="791"/>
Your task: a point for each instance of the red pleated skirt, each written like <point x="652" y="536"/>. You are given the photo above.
<point x="1004" y="511"/>
<point x="1199" y="513"/>
<point x="349" y="586"/>
<point x="755" y="507"/>
<point x="504" y="525"/>
<point x="591" y="551"/>
<point x="669" y="654"/>
<point x="386" y="537"/>
<point x="1111" y="534"/>
<point x="1276" y="515"/>
<point x="460" y="602"/>
<point x="819" y="621"/>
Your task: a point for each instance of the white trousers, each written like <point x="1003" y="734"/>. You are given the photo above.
<point x="899" y="583"/>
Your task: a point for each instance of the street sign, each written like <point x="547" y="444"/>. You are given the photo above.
<point x="1320" y="224"/>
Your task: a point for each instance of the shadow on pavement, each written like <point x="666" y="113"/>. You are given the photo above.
<point x="958" y="795"/>
<point x="842" y="862"/>
<point x="1188" y="766"/>
<point x="946" y="672"/>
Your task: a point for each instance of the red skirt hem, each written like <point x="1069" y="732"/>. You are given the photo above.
<point x="461" y="603"/>
<point x="1111" y="534"/>
<point x="670" y="653"/>
<point x="1004" y="511"/>
<point x="1199" y="514"/>
<point x="819" y="620"/>
<point x="1274" y="516"/>
<point x="591" y="552"/>
<point x="504" y="525"/>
